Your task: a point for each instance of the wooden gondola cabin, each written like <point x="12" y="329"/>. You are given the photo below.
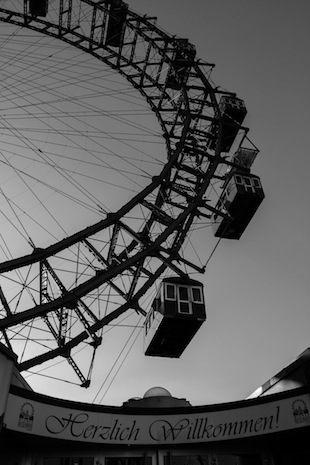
<point x="239" y="201"/>
<point x="38" y="7"/>
<point x="177" y="313"/>
<point x="233" y="112"/>
<point x="116" y="21"/>
<point x="180" y="66"/>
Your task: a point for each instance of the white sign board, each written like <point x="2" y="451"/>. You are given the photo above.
<point x="107" y="426"/>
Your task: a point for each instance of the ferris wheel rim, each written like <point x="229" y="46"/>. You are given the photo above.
<point x="184" y="115"/>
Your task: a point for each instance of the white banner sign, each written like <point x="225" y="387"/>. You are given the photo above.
<point x="248" y="420"/>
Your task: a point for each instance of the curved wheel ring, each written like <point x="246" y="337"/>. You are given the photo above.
<point x="124" y="257"/>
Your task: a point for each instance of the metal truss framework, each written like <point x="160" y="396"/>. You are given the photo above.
<point x="120" y="256"/>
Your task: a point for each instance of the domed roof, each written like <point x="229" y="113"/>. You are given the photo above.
<point x="156" y="392"/>
<point x="156" y="397"/>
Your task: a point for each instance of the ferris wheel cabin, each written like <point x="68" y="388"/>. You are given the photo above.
<point x="177" y="313"/>
<point x="239" y="201"/>
<point x="233" y="112"/>
<point x="117" y="17"/>
<point x="38" y="7"/>
<point x="181" y="65"/>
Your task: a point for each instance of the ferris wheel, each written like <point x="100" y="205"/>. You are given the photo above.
<point x="115" y="146"/>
